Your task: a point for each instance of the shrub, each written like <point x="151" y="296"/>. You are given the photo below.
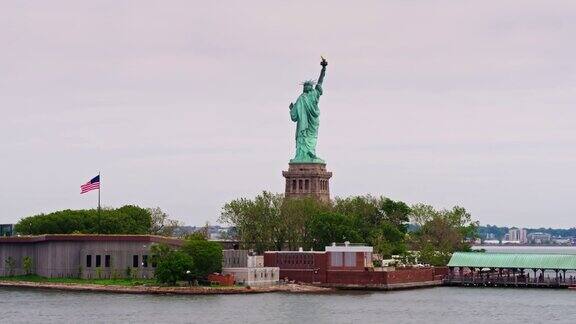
<point x="172" y="267"/>
<point x="207" y="257"/>
<point x="27" y="265"/>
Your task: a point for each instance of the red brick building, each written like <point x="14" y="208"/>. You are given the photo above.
<point x="347" y="265"/>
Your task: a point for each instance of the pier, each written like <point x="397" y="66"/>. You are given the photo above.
<point x="511" y="270"/>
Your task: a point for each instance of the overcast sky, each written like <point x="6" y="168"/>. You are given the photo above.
<point x="184" y="104"/>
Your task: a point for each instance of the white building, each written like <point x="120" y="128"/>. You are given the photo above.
<point x="523" y="236"/>
<point x="249" y="269"/>
<point x="518" y="234"/>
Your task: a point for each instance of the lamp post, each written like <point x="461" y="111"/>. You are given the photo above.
<point x="189" y="277"/>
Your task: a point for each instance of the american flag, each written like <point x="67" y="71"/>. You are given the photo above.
<point x="90" y="185"/>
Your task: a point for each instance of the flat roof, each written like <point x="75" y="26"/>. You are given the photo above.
<point x="513" y="260"/>
<point x="349" y="248"/>
<point x="286" y="252"/>
<point x="90" y="237"/>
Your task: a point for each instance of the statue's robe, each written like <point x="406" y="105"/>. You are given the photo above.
<point x="307" y="116"/>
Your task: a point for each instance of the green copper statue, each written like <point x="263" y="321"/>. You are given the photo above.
<point x="306" y="114"/>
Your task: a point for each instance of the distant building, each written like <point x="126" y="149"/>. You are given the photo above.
<point x="6" y="230"/>
<point x="514" y="234"/>
<point x="518" y="234"/>
<point x="539" y="238"/>
<point x="523" y="236"/>
<point x="490" y="236"/>
<point x="562" y="241"/>
<point x="213" y="232"/>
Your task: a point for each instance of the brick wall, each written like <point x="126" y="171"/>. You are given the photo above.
<point x="223" y="280"/>
<point x="356" y="277"/>
<point x="409" y="275"/>
<point x="298" y="266"/>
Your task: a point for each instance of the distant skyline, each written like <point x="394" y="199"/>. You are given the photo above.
<point x="184" y="104"/>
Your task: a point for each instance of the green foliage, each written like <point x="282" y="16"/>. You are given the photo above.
<point x="271" y="222"/>
<point x="199" y="256"/>
<point x="442" y="232"/>
<point x="389" y="240"/>
<point x="172" y="267"/>
<point x="10" y="265"/>
<point x="199" y="235"/>
<point x="207" y="257"/>
<point x="161" y="224"/>
<point x="104" y="282"/>
<point x="329" y="227"/>
<point x="295" y="216"/>
<point x="125" y="220"/>
<point x="27" y="265"/>
<point x="158" y="252"/>
<point x="381" y="222"/>
<point x="257" y="221"/>
<point x="99" y="272"/>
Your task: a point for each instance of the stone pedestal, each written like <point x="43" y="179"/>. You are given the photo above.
<point x="307" y="179"/>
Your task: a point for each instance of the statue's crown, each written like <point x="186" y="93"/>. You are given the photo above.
<point x="309" y="82"/>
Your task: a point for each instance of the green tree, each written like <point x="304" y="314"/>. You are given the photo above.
<point x="388" y="240"/>
<point x="258" y="221"/>
<point x="442" y="233"/>
<point x="207" y="256"/>
<point x="328" y="227"/>
<point x="161" y="224"/>
<point x="172" y="267"/>
<point x="381" y="222"/>
<point x="158" y="252"/>
<point x="296" y="214"/>
<point x="27" y="265"/>
<point x="125" y="220"/>
<point x="10" y="265"/>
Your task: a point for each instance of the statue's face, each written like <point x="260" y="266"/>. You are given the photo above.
<point x="307" y="87"/>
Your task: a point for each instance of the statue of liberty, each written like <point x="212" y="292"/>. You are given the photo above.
<point x="306" y="114"/>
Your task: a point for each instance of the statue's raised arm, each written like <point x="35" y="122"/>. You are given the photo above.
<point x="324" y="63"/>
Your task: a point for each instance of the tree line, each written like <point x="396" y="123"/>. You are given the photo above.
<point x="271" y="222"/>
<point x="128" y="219"/>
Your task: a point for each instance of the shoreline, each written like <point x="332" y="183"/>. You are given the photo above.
<point x="199" y="290"/>
<point x="158" y="290"/>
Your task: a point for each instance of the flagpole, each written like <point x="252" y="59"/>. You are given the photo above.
<point x="99" y="185"/>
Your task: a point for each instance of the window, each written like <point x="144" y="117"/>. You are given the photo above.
<point x="300" y="184"/>
<point x="145" y="261"/>
<point x="336" y="259"/>
<point x="107" y="261"/>
<point x="293" y="185"/>
<point x="98" y="261"/>
<point x="350" y="259"/>
<point x="135" y="261"/>
<point x="306" y="184"/>
<point x="88" y="261"/>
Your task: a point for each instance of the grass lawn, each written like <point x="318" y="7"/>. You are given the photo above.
<point x="104" y="282"/>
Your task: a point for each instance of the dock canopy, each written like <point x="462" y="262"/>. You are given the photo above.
<point x="513" y="260"/>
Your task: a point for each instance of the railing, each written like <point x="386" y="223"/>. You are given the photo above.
<point x="509" y="280"/>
